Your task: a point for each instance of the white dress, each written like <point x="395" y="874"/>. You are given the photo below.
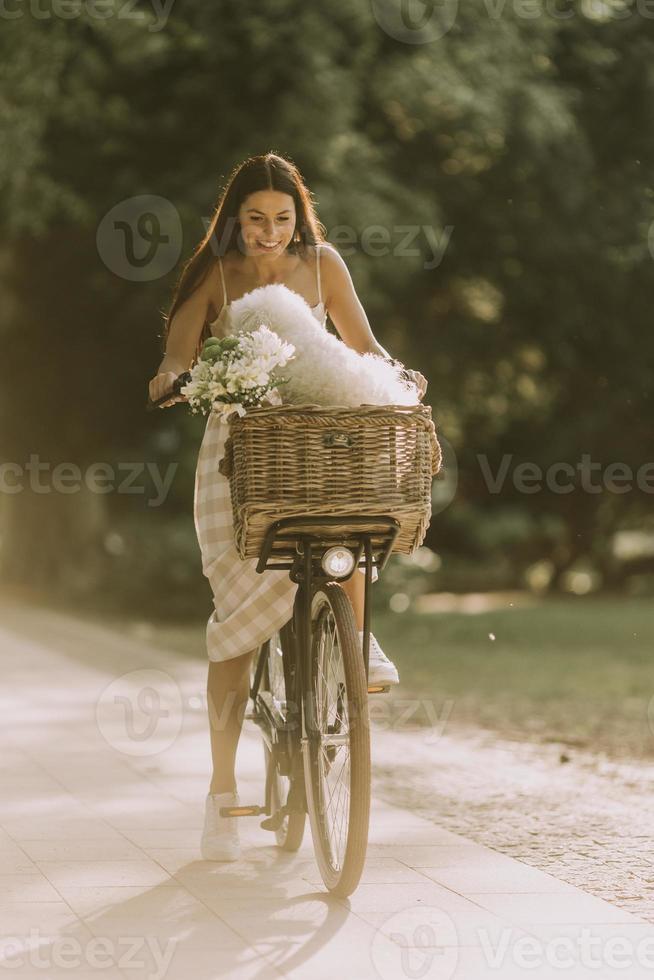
<point x="249" y="606"/>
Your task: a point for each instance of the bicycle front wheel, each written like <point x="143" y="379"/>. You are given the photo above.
<point x="337" y="746"/>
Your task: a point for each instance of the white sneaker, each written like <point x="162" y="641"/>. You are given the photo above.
<point x="381" y="670"/>
<point x="220" y="834"/>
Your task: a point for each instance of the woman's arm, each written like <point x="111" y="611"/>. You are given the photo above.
<point x="345" y="309"/>
<point x="347" y="313"/>
<point x="185" y="328"/>
<point x="183" y="335"/>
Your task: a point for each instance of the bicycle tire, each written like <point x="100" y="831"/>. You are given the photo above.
<point x="340" y="866"/>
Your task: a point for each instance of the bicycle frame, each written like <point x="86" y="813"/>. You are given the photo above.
<point x="287" y="546"/>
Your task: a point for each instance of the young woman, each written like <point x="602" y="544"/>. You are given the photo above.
<point x="264" y="230"/>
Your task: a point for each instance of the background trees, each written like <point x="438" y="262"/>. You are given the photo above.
<point x="491" y="190"/>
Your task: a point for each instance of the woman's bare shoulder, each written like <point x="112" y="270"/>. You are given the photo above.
<point x="334" y="272"/>
<point x="330" y="257"/>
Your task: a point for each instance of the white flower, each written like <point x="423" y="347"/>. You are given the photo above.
<point x="247" y="366"/>
<point x="225" y="409"/>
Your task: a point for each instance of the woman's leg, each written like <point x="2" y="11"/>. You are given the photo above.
<point x="355" y="588"/>
<point x="227" y="696"/>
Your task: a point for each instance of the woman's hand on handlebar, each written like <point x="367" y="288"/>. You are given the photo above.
<point x="419" y="380"/>
<point x="162" y="383"/>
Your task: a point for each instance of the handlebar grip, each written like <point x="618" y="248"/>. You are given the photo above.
<point x="178" y="383"/>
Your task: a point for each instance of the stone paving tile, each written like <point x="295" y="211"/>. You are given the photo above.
<point x="462" y="854"/>
<point x="378" y="870"/>
<point x="534" y="908"/>
<point x="497" y="877"/>
<point x="125" y="872"/>
<point x="24" y="829"/>
<point x="32" y="887"/>
<point x="318" y="943"/>
<point x="16" y="860"/>
<point x="75" y="967"/>
<point x="522" y="961"/>
<point x="425" y="925"/>
<point x="86" y="850"/>
<point x="241" y="962"/>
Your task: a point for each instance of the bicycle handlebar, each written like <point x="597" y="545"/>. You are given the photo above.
<point x="178" y="383"/>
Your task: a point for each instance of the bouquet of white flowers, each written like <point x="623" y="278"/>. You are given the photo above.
<point x="235" y="373"/>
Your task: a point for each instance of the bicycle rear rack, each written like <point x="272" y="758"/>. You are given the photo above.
<point x="286" y="540"/>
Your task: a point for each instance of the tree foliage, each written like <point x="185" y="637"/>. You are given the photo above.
<point x="508" y="164"/>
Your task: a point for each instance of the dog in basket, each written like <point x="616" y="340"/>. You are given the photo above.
<point x="324" y="370"/>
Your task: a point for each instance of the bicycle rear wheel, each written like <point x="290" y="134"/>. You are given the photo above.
<point x="273" y="687"/>
<point x="337" y="747"/>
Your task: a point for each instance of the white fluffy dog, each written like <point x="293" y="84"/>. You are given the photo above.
<point x="324" y="370"/>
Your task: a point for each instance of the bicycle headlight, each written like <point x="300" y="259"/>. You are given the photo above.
<point x="338" y="562"/>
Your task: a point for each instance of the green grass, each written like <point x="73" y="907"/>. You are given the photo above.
<point x="575" y="670"/>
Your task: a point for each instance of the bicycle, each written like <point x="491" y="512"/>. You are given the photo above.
<point x="309" y="692"/>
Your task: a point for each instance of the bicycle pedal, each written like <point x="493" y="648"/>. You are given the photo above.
<point x="241" y="811"/>
<point x="379" y="688"/>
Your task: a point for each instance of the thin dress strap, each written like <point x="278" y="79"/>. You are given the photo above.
<point x="222" y="276"/>
<point x="318" y="272"/>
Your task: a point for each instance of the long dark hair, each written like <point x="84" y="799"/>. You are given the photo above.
<point x="268" y="171"/>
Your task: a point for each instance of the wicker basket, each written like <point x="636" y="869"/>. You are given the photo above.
<point x="299" y="460"/>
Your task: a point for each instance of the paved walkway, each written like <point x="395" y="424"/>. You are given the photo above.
<point x="105" y="761"/>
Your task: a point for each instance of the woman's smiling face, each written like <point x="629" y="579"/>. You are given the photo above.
<point x="267" y="222"/>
